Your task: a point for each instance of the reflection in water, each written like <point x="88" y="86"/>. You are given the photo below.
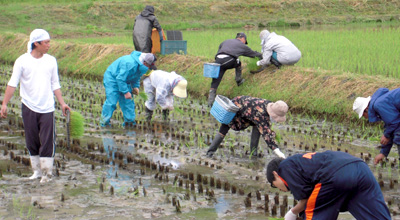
<point x="121" y="180"/>
<point x="221" y="206"/>
<point x="166" y="162"/>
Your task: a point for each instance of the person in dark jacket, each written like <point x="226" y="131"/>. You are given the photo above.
<point x="142" y="29"/>
<point x="326" y="183"/>
<point x="384" y="105"/>
<point x="260" y="114"/>
<point x="228" y="56"/>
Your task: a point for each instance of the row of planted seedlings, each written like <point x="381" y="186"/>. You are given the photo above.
<point x="204" y="185"/>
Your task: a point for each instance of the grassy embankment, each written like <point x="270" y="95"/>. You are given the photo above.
<point x="306" y="89"/>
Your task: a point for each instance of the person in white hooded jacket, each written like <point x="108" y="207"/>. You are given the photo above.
<point x="161" y="86"/>
<point x="278" y="50"/>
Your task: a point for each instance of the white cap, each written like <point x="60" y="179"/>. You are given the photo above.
<point x="360" y="104"/>
<point x="37" y="35"/>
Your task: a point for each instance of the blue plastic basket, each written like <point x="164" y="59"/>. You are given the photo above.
<point x="223" y="109"/>
<point x="211" y="70"/>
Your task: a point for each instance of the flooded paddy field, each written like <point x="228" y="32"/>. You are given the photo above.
<point x="158" y="169"/>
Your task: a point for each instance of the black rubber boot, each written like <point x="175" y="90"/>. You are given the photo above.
<point x="398" y="151"/>
<point x="211" y="97"/>
<point x="255" y="138"/>
<point x="165" y="114"/>
<point x="149" y="114"/>
<point x="276" y="63"/>
<point x="215" y="144"/>
<point x="238" y="76"/>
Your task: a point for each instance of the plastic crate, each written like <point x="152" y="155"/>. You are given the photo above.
<point x="223" y="109"/>
<point x="173" y="46"/>
<point x="211" y="70"/>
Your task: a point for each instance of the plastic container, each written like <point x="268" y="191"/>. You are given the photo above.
<point x="223" y="109"/>
<point x="211" y="70"/>
<point x="173" y="46"/>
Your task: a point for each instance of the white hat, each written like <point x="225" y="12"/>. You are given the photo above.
<point x="360" y="104"/>
<point x="180" y="89"/>
<point x="37" y="35"/>
<point x="277" y="110"/>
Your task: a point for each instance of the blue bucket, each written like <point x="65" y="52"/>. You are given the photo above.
<point x="211" y="70"/>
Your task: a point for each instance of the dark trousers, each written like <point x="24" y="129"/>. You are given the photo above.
<point x="39" y="132"/>
<point x="352" y="188"/>
<point x="226" y="63"/>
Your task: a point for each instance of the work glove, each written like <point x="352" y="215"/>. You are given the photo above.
<point x="290" y="215"/>
<point x="258" y="63"/>
<point x="279" y="154"/>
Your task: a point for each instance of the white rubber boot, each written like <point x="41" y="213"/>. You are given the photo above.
<point x="35" y="163"/>
<point x="46" y="163"/>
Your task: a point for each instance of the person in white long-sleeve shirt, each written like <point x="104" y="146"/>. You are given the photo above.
<point x="37" y="74"/>
<point x="161" y="86"/>
<point x="278" y="50"/>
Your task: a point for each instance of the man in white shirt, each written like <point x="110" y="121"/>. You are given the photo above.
<point x="37" y="73"/>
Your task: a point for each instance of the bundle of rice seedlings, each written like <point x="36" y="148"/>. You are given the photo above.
<point x="143" y="95"/>
<point x="76" y="124"/>
<point x="252" y="65"/>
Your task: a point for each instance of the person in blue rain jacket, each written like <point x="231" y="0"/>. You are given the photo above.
<point x="121" y="79"/>
<point x="384" y="105"/>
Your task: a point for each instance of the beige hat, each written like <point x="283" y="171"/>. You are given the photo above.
<point x="277" y="110"/>
<point x="360" y="104"/>
<point x="180" y="89"/>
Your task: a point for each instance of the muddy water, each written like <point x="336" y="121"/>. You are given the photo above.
<point x="158" y="169"/>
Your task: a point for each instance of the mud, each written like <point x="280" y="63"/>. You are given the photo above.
<point x="158" y="169"/>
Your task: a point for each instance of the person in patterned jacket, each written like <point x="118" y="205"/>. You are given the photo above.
<point x="260" y="114"/>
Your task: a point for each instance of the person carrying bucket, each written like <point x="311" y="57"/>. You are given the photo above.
<point x="258" y="113"/>
<point x="121" y="79"/>
<point x="161" y="86"/>
<point x="37" y="73"/>
<point x="383" y="105"/>
<point x="228" y="57"/>
<point x="278" y="50"/>
<point x="326" y="183"/>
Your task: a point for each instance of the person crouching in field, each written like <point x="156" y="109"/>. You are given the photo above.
<point x="326" y="183"/>
<point x="161" y="86"/>
<point x="258" y="113"/>
<point x="37" y="73"/>
<point x="278" y="50"/>
<point x="121" y="79"/>
<point x="384" y="105"/>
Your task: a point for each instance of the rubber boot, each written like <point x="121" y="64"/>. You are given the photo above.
<point x="46" y="164"/>
<point x="255" y="138"/>
<point x="165" y="114"/>
<point x="215" y="144"/>
<point x="211" y="97"/>
<point x="35" y="163"/>
<point x="276" y="63"/>
<point x="149" y="114"/>
<point x="238" y="76"/>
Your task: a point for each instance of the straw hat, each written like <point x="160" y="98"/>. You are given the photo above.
<point x="360" y="104"/>
<point x="277" y="110"/>
<point x="180" y="89"/>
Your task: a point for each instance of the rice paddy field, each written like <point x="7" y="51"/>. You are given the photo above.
<point x="158" y="169"/>
<point x="366" y="49"/>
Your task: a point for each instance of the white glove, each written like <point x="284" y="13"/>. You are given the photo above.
<point x="258" y="63"/>
<point x="279" y="153"/>
<point x="290" y="215"/>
